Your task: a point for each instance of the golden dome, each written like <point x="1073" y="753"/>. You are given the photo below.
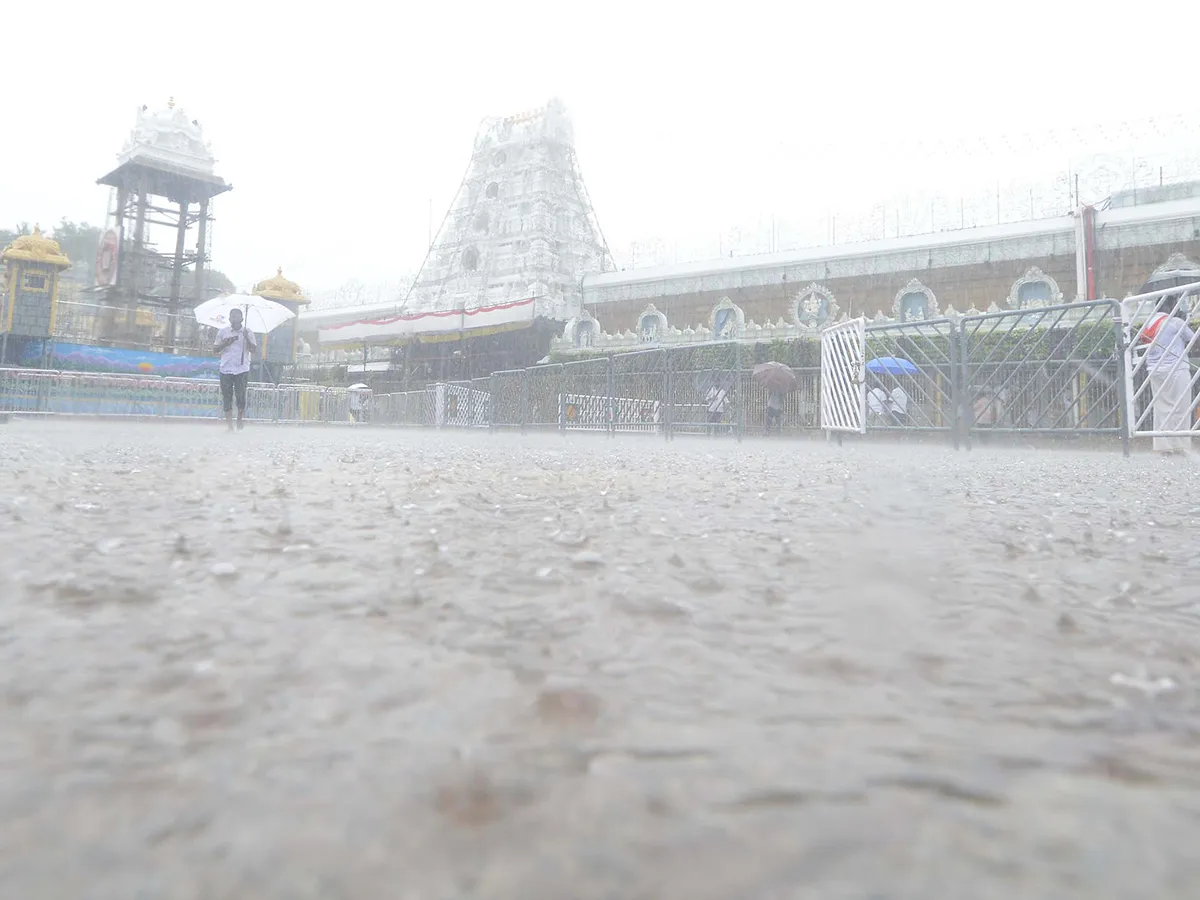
<point x="36" y="248"/>
<point x="280" y="288"/>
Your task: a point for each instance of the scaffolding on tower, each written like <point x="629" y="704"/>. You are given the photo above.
<point x="157" y="248"/>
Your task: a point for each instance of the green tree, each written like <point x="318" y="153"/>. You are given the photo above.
<point x="219" y="282"/>
<point x="7" y="237"/>
<point x="78" y="241"/>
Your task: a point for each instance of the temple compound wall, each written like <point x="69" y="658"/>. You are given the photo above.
<point x="902" y="279"/>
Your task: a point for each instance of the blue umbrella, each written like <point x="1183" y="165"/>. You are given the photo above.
<point x="891" y="365"/>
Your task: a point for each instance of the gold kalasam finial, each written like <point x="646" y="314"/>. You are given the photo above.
<point x="280" y="288"/>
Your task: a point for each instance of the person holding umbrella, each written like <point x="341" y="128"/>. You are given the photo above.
<point x="235" y="344"/>
<point x="778" y="381"/>
<point x="775" y="411"/>
<point x="891" y="407"/>
<point x="1170" y="340"/>
<point x="236" y="316"/>
<point x="360" y="397"/>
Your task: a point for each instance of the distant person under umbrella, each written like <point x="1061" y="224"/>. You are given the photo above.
<point x="236" y="346"/>
<point x="775" y="401"/>
<point x="778" y="380"/>
<point x="360" y="398"/>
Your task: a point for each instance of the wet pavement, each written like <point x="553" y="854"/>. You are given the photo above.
<point x="356" y="663"/>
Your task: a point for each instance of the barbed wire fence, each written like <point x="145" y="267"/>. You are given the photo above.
<point x="1141" y="157"/>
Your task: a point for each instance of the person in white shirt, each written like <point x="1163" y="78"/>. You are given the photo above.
<point x="236" y="346"/>
<point x="359" y="400"/>
<point x="877" y="405"/>
<point x="775" y="404"/>
<point x="1170" y="341"/>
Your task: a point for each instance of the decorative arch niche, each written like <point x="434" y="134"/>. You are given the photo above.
<point x="814" y="306"/>
<point x="651" y="324"/>
<point x="582" y="331"/>
<point x="727" y="321"/>
<point x="1034" y="289"/>
<point x="914" y="303"/>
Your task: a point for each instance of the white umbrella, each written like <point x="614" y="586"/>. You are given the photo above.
<point x="259" y="314"/>
<point x="359" y="387"/>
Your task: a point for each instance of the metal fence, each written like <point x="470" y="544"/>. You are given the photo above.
<point x="1070" y="370"/>
<point x="44" y="392"/>
<point x="912" y="377"/>
<point x="1044" y="371"/>
<point x="142" y="327"/>
<point x="1160" y="379"/>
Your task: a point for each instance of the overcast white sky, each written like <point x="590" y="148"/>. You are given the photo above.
<point x="337" y="123"/>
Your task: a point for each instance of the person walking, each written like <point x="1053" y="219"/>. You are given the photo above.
<point x="775" y="403"/>
<point x="236" y="345"/>
<point x="1170" y="340"/>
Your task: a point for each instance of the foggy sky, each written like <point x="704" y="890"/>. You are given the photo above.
<point x="338" y="123"/>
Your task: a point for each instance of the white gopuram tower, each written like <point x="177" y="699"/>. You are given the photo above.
<point x="521" y="226"/>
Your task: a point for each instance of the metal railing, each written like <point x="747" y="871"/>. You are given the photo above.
<point x="1161" y="381"/>
<point x="912" y="377"/>
<point x="1062" y="370"/>
<point x="144" y="327"/>
<point x="1051" y="370"/>
<point x="45" y="392"/>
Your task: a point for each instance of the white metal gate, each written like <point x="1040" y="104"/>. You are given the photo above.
<point x="843" y="377"/>
<point x="1160" y="383"/>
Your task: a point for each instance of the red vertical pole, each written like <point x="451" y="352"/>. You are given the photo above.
<point x="1089" y="233"/>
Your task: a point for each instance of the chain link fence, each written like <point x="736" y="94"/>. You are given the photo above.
<point x="639" y="391"/>
<point x="707" y="393"/>
<point x="507" y="390"/>
<point x="587" y="395"/>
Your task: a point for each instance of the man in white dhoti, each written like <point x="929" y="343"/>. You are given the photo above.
<point x="1170" y="341"/>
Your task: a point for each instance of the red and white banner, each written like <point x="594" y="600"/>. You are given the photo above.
<point x="388" y="328"/>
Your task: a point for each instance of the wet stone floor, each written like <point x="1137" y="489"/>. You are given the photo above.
<point x="358" y="663"/>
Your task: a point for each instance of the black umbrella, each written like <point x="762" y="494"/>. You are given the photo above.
<point x="775" y="377"/>
<point x="1179" y="275"/>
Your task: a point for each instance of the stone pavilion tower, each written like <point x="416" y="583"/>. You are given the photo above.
<point x="157" y="243"/>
